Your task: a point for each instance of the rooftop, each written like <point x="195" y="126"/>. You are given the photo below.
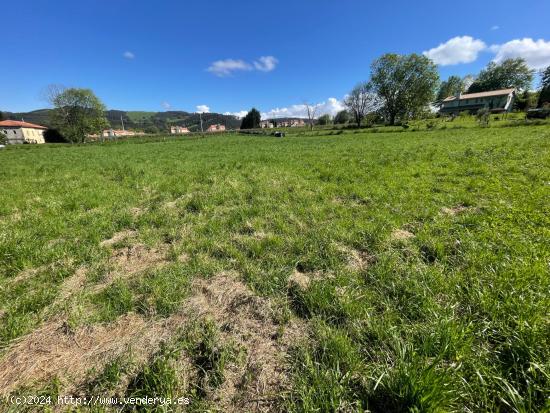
<point x="18" y="124"/>
<point x="501" y="92"/>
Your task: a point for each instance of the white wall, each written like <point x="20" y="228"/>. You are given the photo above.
<point x="22" y="135"/>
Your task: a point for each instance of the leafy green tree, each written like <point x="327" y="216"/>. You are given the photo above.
<point x="2" y="116"/>
<point x="77" y="113"/>
<point x="544" y="96"/>
<point x="325" y="119"/>
<point x="251" y="120"/>
<point x="341" y="117"/>
<point x="361" y="101"/>
<point x="450" y="87"/>
<point x="3" y="139"/>
<point x="510" y="73"/>
<point x="405" y="83"/>
<point x="526" y="100"/>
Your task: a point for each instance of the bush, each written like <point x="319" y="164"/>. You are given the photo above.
<point x="3" y="139"/>
<point x="483" y="116"/>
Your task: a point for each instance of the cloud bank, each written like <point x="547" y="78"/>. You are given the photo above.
<point x="466" y="49"/>
<point x="460" y="49"/>
<point x="227" y="67"/>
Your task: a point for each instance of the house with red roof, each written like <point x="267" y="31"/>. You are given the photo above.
<point x="22" y="132"/>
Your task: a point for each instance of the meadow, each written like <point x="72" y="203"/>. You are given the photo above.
<point x="404" y="271"/>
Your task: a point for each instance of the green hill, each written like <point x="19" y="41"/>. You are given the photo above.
<point x="151" y="122"/>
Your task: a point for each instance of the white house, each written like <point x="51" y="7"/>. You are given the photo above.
<point x="176" y="130"/>
<point x="22" y="132"/>
<point x="497" y="101"/>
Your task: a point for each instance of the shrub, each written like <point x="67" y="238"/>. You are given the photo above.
<point x="3" y="139"/>
<point x="483" y="116"/>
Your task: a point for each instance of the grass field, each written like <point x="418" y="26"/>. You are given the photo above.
<point x="386" y="272"/>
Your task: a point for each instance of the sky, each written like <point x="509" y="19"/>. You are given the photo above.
<point x="229" y="56"/>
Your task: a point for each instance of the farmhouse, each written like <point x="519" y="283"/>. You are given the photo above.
<point x="177" y="130"/>
<point x="216" y="128"/>
<point x="497" y="101"/>
<point x="117" y="133"/>
<point x="22" y="132"/>
<point x="266" y="124"/>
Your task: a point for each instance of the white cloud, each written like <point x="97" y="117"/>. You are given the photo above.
<point x="227" y="67"/>
<point x="536" y="53"/>
<point x="203" y="109"/>
<point x="331" y="106"/>
<point x="240" y="114"/>
<point x="460" y="49"/>
<point x="166" y="105"/>
<point x="495" y="27"/>
<point x="266" y="63"/>
<point x="128" y="55"/>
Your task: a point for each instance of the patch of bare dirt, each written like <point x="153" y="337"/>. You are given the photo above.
<point x="117" y="237"/>
<point x="248" y="321"/>
<point x="401" y="235"/>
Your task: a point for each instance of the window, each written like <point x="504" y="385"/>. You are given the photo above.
<point x="14" y="131"/>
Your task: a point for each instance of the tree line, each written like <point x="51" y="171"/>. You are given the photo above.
<point x="400" y="88"/>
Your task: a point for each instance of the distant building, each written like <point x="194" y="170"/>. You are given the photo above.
<point x="178" y="130"/>
<point x="285" y="123"/>
<point x="216" y="128"/>
<point x="22" y="132"/>
<point x="497" y="101"/>
<point x="117" y="133"/>
<point x="266" y="124"/>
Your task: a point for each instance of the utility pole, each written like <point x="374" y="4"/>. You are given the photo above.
<point x="200" y="116"/>
<point x="122" y="121"/>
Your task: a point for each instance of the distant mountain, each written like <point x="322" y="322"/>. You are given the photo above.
<point x="147" y="121"/>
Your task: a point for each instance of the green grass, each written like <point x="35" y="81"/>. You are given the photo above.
<point x="453" y="319"/>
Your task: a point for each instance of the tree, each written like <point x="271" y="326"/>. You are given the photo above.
<point x="450" y="87"/>
<point x="77" y="113"/>
<point x="251" y="120"/>
<point x="325" y="119"/>
<point x="2" y="116"/>
<point x="526" y="100"/>
<point x="544" y="96"/>
<point x="361" y="101"/>
<point x="510" y="73"/>
<point x="406" y="84"/>
<point x="341" y="117"/>
<point x="3" y="139"/>
<point x="311" y="111"/>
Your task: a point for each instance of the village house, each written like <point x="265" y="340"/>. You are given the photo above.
<point x="22" y="132"/>
<point x="216" y="128"/>
<point x="497" y="101"/>
<point x="178" y="130"/>
<point x="283" y="123"/>
<point x="117" y="133"/>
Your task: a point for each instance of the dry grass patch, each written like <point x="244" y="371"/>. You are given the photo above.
<point x="55" y="350"/>
<point x="249" y="322"/>
<point x="117" y="237"/>
<point x="401" y="235"/>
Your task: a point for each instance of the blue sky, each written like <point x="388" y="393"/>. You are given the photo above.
<point x="232" y="55"/>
